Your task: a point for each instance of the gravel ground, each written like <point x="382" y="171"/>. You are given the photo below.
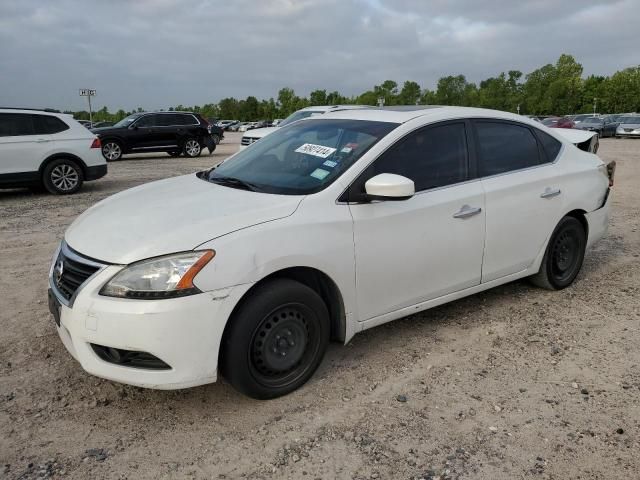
<point x="512" y="383"/>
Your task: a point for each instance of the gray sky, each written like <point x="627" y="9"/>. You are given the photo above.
<point x="159" y="53"/>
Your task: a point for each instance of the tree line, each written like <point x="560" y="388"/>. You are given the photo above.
<point x="557" y="89"/>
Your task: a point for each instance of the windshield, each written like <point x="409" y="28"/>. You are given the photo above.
<point x="299" y="115"/>
<point x="592" y="120"/>
<point x="300" y="159"/>
<point x="125" y="122"/>
<point x="580" y="118"/>
<point x="630" y="120"/>
<point x="550" y="121"/>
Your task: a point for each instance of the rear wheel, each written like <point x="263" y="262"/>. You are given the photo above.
<point x="192" y="148"/>
<point x="275" y="340"/>
<point x="216" y="138"/>
<point x="564" y="256"/>
<point x="62" y="177"/>
<point x="174" y="154"/>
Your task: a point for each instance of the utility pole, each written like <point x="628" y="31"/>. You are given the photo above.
<point x="595" y="103"/>
<point x="518" y="109"/>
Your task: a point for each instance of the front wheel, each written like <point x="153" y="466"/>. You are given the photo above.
<point x="276" y="340"/>
<point x="563" y="259"/>
<point x="192" y="148"/>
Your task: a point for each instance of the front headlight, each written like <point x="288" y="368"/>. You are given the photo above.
<point x="161" y="277"/>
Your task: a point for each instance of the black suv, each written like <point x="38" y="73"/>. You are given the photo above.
<point x="173" y="132"/>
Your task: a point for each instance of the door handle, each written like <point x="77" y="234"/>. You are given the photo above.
<point x="42" y="140"/>
<point x="466" y="211"/>
<point x="550" y="192"/>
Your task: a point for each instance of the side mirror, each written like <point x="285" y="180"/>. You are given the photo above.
<point x="388" y="186"/>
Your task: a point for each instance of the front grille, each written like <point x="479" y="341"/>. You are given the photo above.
<point x="70" y="271"/>
<point x="249" y="140"/>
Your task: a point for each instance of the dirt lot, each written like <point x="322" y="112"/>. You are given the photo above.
<point x="513" y="383"/>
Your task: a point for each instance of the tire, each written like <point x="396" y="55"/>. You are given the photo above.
<point x="276" y="339"/>
<point x="564" y="256"/>
<point x="111" y="151"/>
<point x="174" y="154"/>
<point x="63" y="176"/>
<point x="192" y="148"/>
<point x="216" y="138"/>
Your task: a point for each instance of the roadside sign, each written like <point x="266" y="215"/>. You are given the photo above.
<point x="88" y="92"/>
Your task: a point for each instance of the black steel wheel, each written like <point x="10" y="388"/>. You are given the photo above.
<point x="276" y="339"/>
<point x="564" y="255"/>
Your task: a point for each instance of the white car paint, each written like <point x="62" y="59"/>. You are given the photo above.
<point x="387" y="259"/>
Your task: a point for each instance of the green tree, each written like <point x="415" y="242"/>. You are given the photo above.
<point x="410" y="93"/>
<point x="318" y="97"/>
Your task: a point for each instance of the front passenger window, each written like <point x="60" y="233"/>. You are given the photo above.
<point x="432" y="157"/>
<point x="147" y="121"/>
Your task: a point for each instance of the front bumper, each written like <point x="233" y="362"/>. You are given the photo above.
<point x="185" y="333"/>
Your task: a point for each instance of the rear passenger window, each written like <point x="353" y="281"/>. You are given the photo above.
<point x="47" y="124"/>
<point x="432" y="157"/>
<point x="15" y="124"/>
<point x="550" y="145"/>
<point x="504" y="147"/>
<point x="186" y="120"/>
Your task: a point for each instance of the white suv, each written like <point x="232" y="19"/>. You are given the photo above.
<point x="47" y="149"/>
<point x="256" y="134"/>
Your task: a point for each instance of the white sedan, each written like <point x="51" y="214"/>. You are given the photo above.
<point x="324" y="228"/>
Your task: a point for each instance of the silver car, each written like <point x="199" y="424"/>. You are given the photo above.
<point x="629" y="126"/>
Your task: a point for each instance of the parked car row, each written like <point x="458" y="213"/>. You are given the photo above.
<point x="618" y="125"/>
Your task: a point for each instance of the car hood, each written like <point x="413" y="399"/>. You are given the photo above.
<point x="172" y="215"/>
<point x="260" y="132"/>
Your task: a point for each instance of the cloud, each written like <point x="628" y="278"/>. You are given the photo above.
<point x="159" y="53"/>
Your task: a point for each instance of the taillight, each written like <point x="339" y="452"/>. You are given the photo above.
<point x="611" y="171"/>
<point x="96" y="143"/>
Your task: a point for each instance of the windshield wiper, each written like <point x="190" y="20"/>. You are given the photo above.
<point x="234" y="183"/>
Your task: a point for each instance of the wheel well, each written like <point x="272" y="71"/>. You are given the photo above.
<point x="70" y="156"/>
<point x="322" y="285"/>
<point x="579" y="215"/>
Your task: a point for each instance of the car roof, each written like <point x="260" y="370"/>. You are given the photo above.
<point x="31" y="111"/>
<point x="404" y="113"/>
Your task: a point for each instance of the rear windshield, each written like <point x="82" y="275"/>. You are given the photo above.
<point x="630" y="120"/>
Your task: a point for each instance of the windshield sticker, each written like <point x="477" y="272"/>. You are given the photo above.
<point x="319" y="173"/>
<point x="315" y="150"/>
<point x="330" y="163"/>
<point x="346" y="150"/>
